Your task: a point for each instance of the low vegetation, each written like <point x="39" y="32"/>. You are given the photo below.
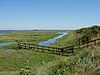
<point x="14" y="62"/>
<point x="85" y="61"/>
<point x="79" y="36"/>
<point x="84" y="35"/>
<point x="33" y="37"/>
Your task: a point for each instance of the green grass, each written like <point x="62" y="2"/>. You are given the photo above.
<point x="67" y="40"/>
<point x="29" y="37"/>
<point x="9" y="73"/>
<point x="85" y="62"/>
<point x="14" y="60"/>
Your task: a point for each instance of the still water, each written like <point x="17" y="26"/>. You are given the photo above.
<point x="43" y="43"/>
<point x="7" y="43"/>
<point x="51" y="41"/>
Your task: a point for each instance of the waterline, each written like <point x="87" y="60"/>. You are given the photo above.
<point x="51" y="41"/>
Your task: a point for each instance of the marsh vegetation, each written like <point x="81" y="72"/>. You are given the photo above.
<point x="85" y="61"/>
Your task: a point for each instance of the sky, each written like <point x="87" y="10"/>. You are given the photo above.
<point x="48" y="14"/>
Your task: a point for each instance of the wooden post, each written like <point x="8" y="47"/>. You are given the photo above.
<point x="24" y="45"/>
<point x="42" y="49"/>
<point x="19" y="45"/>
<point x="78" y="44"/>
<point x="94" y="42"/>
<point x="87" y="44"/>
<point x="59" y="51"/>
<point x="29" y="47"/>
<point x="62" y="50"/>
<point x="48" y="49"/>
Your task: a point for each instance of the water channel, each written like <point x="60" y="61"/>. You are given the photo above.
<point x="51" y="41"/>
<point x="43" y="43"/>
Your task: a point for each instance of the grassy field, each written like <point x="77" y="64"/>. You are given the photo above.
<point x="28" y="37"/>
<point x="15" y="60"/>
<point x="85" y="61"/>
<point x="12" y="61"/>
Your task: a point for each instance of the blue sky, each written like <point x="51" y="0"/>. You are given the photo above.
<point x="48" y="14"/>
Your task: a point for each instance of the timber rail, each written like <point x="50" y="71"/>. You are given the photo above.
<point x="54" y="50"/>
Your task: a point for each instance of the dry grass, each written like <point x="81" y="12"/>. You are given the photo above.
<point x="85" y="62"/>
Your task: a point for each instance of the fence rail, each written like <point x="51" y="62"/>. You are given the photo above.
<point x="60" y="51"/>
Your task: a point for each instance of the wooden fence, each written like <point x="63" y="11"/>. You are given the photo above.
<point x="54" y="50"/>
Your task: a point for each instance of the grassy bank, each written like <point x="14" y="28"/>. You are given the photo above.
<point x="81" y="36"/>
<point x="67" y="40"/>
<point x="85" y="61"/>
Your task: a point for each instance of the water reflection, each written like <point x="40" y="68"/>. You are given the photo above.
<point x="7" y="43"/>
<point x="51" y="41"/>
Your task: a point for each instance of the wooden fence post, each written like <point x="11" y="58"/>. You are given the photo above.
<point x="87" y="44"/>
<point x="42" y="49"/>
<point x="62" y="50"/>
<point x="19" y="45"/>
<point x="94" y="42"/>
